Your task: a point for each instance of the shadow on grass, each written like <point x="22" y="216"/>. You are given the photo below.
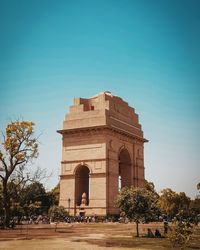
<point x="138" y="242"/>
<point x="129" y="242"/>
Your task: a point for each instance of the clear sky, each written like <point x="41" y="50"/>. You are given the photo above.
<point x="147" y="52"/>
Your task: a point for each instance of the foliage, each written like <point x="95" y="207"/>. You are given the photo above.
<point x="34" y="208"/>
<point x="29" y="200"/>
<point x="195" y="207"/>
<point x="167" y="202"/>
<point x="54" y="195"/>
<point x="180" y="234"/>
<point x="150" y="187"/>
<point x="173" y="204"/>
<point x="198" y="186"/>
<point x="1" y="200"/>
<point x="137" y="204"/>
<point x="34" y="199"/>
<point x="58" y="213"/>
<point x="19" y="146"/>
<point x="183" y="205"/>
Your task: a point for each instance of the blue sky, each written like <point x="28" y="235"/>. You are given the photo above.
<point x="147" y="52"/>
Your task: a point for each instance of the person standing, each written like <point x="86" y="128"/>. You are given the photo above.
<point x="165" y="225"/>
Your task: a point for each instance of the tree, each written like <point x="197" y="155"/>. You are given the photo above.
<point x="137" y="204"/>
<point x="54" y="195"/>
<point x="1" y="200"/>
<point x="173" y="204"/>
<point x="19" y="147"/>
<point x="34" y="199"/>
<point x="198" y="186"/>
<point x="183" y="205"/>
<point x="180" y="234"/>
<point x="195" y="206"/>
<point x="167" y="202"/>
<point x="14" y="192"/>
<point x="150" y="187"/>
<point x="58" y="213"/>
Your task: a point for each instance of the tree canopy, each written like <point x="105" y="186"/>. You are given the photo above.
<point x="138" y="204"/>
<point x="18" y="147"/>
<point x="173" y="204"/>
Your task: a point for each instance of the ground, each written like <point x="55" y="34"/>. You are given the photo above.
<point x="97" y="236"/>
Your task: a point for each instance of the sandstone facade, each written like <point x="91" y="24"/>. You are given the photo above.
<point x="102" y="152"/>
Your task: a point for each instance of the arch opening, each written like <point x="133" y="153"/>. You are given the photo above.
<point x="82" y="184"/>
<point x="124" y="177"/>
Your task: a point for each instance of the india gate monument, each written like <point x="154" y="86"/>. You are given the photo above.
<point x="102" y="152"/>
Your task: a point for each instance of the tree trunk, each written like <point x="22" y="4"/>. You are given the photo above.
<point x="6" y="204"/>
<point x="137" y="229"/>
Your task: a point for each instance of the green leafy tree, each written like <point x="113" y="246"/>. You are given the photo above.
<point x="173" y="204"/>
<point x="198" y="186"/>
<point x="167" y="202"/>
<point x="34" y="199"/>
<point x="18" y="147"/>
<point x="137" y="204"/>
<point x="1" y="200"/>
<point x="14" y="195"/>
<point x="150" y="187"/>
<point x="34" y="208"/>
<point x="54" y="195"/>
<point x="58" y="213"/>
<point x="183" y="205"/>
<point x="195" y="206"/>
<point x="180" y="234"/>
<point x="17" y="210"/>
<point x="14" y="191"/>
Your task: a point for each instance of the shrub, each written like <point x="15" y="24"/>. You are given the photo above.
<point x="57" y="213"/>
<point x="180" y="234"/>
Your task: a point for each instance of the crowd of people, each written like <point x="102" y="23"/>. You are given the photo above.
<point x="44" y="219"/>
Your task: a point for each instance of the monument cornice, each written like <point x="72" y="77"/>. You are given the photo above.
<point x="101" y="128"/>
<point x="84" y="161"/>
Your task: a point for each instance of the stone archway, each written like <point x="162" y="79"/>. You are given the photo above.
<point x="101" y="140"/>
<point x="81" y="184"/>
<point x="124" y="169"/>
